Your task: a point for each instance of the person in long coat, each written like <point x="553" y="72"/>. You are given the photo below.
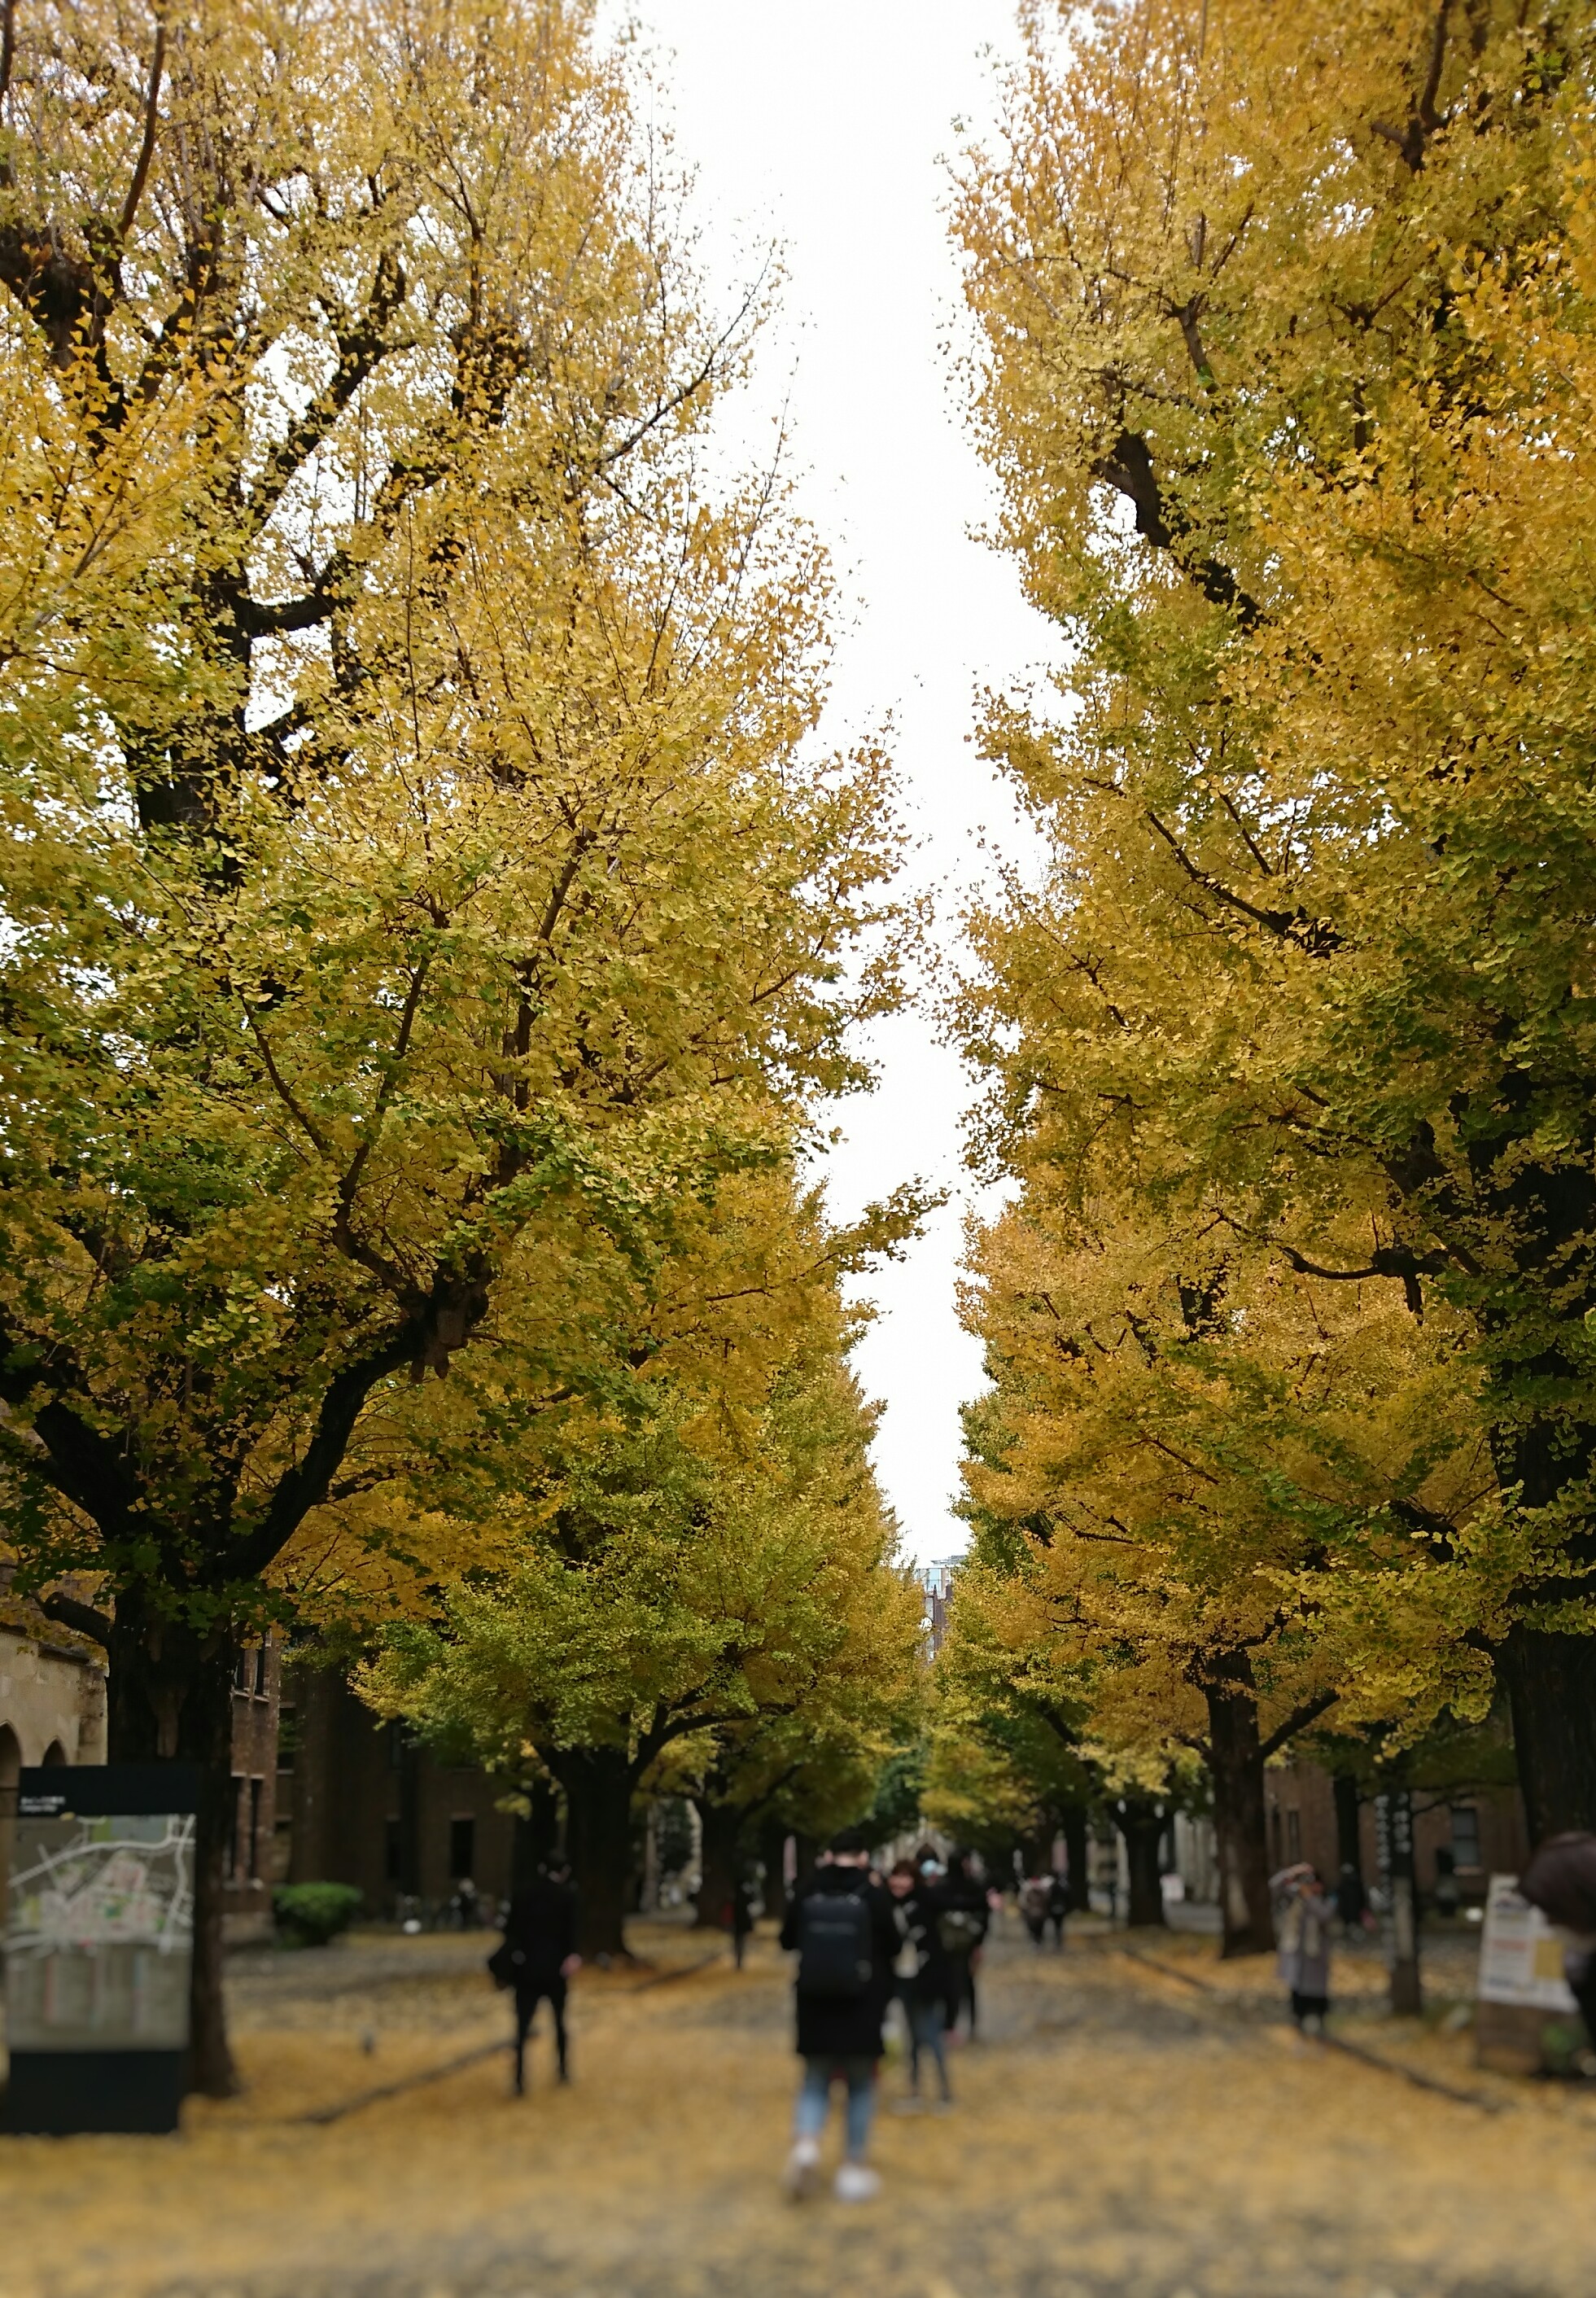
<point x="1304" y="1933"/>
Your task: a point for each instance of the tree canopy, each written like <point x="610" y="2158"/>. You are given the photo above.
<point x="1286" y="354"/>
<point x="421" y="886"/>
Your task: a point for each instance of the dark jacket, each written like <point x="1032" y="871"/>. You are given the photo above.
<point x="917" y="1911"/>
<point x="540" y="1930"/>
<point x="850" y="2028"/>
<point x="964" y="1892"/>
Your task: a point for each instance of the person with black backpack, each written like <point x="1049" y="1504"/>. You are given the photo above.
<point x="962" y="1921"/>
<point x="841" y="1925"/>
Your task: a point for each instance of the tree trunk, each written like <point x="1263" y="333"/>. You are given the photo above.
<point x="1141" y="1825"/>
<point x="719" y="1862"/>
<point x="1073" y="1826"/>
<point x="599" y="1784"/>
<point x="170" y="1699"/>
<point x="1348" y="1837"/>
<point x="407" y="1881"/>
<point x="1235" y="1767"/>
<point x="1551" y="1681"/>
<point x="534" y="1837"/>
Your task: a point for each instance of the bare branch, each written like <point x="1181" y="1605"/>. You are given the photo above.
<point x="1316" y="936"/>
<point x="146" y="150"/>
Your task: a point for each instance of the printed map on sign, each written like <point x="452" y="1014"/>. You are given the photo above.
<point x="100" y="1934"/>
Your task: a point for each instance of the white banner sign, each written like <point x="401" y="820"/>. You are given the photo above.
<point x="1521" y="1956"/>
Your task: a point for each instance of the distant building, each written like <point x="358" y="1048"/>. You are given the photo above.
<point x="249" y="1862"/>
<point x="936" y="1583"/>
<point x="52" y="1704"/>
<point x="1471" y="1833"/>
<point x="360" y="1801"/>
<point x="52" y="1693"/>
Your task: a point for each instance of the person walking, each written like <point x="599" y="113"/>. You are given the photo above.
<point x="841" y="1925"/>
<point x="924" y="1978"/>
<point x="1352" y="1900"/>
<point x="1305" y="1912"/>
<point x="744" y="1899"/>
<point x="963" y="1917"/>
<point x="1036" y="1898"/>
<point x="538" y="1957"/>
<point x="1058" y="1907"/>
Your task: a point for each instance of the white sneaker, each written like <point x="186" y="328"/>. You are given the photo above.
<point x="802" y="2175"/>
<point x="855" y="2184"/>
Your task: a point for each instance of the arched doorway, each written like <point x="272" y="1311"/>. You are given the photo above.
<point x="10" y="1764"/>
<point x="56" y="1754"/>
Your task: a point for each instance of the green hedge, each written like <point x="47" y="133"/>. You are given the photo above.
<point x="309" y="1915"/>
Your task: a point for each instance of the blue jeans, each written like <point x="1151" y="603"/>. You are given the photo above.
<point x="927" y="2028"/>
<point x="815" y="2098"/>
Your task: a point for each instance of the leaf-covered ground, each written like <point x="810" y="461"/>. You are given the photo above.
<point x="1119" y="2133"/>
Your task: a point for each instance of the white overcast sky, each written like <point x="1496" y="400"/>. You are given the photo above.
<point x="824" y="127"/>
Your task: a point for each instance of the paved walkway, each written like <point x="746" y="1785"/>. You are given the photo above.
<point x="1118" y="2134"/>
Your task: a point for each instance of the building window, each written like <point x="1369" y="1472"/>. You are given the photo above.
<point x="241" y="1671"/>
<point x="1293" y="1838"/>
<point x="256" y="1788"/>
<point x="1275" y="1836"/>
<point x="462" y="1848"/>
<point x="1465" y="1835"/>
<point x="259" y="1671"/>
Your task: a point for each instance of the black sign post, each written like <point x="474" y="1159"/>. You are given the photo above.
<point x="99" y="1943"/>
<point x="1394" y="1836"/>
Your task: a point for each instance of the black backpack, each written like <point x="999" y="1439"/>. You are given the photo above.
<point x="835" y="1960"/>
<point x="960" y="1931"/>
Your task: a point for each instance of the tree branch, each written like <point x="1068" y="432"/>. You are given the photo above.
<point x="1413" y="140"/>
<point x="81" y="1465"/>
<point x="1298" y="1720"/>
<point x="1316" y="936"/>
<point x="1127" y="468"/>
<point x="82" y="1619"/>
<point x="306" y="1485"/>
<point x="146" y="150"/>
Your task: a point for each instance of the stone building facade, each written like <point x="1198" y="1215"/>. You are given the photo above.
<point x="52" y="1705"/>
<point x="52" y="1696"/>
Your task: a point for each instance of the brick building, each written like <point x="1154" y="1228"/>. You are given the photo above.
<point x="1483" y="1829"/>
<point x="251" y="1865"/>
<point x="360" y="1802"/>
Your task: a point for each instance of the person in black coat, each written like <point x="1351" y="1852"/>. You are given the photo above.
<point x="964" y="1919"/>
<point x="841" y="1925"/>
<point x="539" y="1956"/>
<point x="925" y="1977"/>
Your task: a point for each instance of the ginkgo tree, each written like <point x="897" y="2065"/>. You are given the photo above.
<point x="1220" y="1499"/>
<point x="692" y="1592"/>
<point x="417" y="887"/>
<point x="1286" y="366"/>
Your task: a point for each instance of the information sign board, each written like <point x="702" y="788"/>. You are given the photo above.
<point x="1521" y="1956"/>
<point x="99" y="1945"/>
